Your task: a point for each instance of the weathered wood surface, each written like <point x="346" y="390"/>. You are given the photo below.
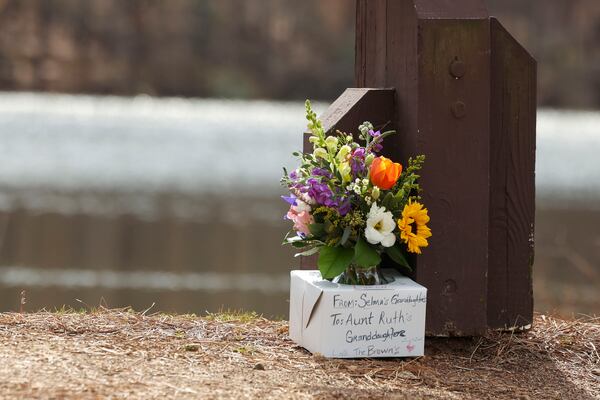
<point x="353" y="107"/>
<point x="464" y="97"/>
<point x="452" y="121"/>
<point x="512" y="179"/>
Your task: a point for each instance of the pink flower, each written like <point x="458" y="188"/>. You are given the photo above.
<point x="300" y="215"/>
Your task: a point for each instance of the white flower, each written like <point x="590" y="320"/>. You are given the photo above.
<point x="301" y="206"/>
<point x="380" y="227"/>
<point x="307" y="199"/>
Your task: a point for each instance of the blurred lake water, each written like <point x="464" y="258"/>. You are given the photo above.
<point x="135" y="201"/>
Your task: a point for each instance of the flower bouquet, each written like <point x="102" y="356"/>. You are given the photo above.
<point x="351" y="205"/>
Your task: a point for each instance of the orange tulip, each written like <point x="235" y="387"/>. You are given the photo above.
<point x="384" y="172"/>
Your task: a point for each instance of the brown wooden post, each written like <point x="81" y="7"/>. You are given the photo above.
<point x="512" y="181"/>
<point x="464" y="95"/>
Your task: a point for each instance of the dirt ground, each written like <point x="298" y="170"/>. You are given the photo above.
<point x="120" y="353"/>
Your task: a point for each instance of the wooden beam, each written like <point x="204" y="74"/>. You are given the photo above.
<point x="512" y="177"/>
<point x="453" y="125"/>
<point x="465" y="97"/>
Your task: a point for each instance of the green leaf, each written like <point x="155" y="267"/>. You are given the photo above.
<point x="397" y="255"/>
<point x="345" y="235"/>
<point x="400" y="194"/>
<point x="295" y="241"/>
<point x="308" y="252"/>
<point x="317" y="230"/>
<point x="334" y="260"/>
<point x="386" y="134"/>
<point x="365" y="255"/>
<point x="291" y="239"/>
<point x="387" y="200"/>
<point x="299" y="245"/>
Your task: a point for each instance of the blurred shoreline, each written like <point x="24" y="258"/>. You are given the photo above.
<point x="170" y="258"/>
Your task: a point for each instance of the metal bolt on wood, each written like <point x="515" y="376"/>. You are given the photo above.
<point x="458" y="68"/>
<point x="459" y="109"/>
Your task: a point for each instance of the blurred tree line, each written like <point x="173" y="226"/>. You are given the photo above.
<point x="254" y="48"/>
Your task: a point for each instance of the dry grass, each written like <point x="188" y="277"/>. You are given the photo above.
<point x="120" y="353"/>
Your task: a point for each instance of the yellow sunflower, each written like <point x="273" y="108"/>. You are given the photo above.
<point x="413" y="229"/>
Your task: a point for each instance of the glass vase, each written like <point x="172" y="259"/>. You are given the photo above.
<point x="355" y="275"/>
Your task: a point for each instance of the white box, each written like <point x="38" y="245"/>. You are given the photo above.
<point x="346" y="321"/>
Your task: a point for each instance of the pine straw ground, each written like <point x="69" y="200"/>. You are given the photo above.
<point x="120" y="353"/>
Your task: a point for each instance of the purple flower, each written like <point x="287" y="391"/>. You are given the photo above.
<point x="291" y="199"/>
<point x="293" y="175"/>
<point x="320" y="192"/>
<point x="318" y="189"/>
<point x="321" y="172"/>
<point x="345" y="207"/>
<point x="357" y="166"/>
<point x="359" y="152"/>
<point x="376" y="145"/>
<point x="357" y="161"/>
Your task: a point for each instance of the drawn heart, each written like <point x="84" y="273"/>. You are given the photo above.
<point x="410" y="347"/>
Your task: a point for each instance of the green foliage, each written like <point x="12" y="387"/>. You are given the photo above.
<point x="345" y="235"/>
<point x="317" y="230"/>
<point x="397" y="255"/>
<point x="315" y="125"/>
<point x="309" y="252"/>
<point x="334" y="260"/>
<point x="407" y="183"/>
<point x="365" y="255"/>
<point x="364" y="129"/>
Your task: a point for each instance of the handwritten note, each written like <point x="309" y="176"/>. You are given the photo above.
<point x="347" y="321"/>
<point x="369" y="321"/>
